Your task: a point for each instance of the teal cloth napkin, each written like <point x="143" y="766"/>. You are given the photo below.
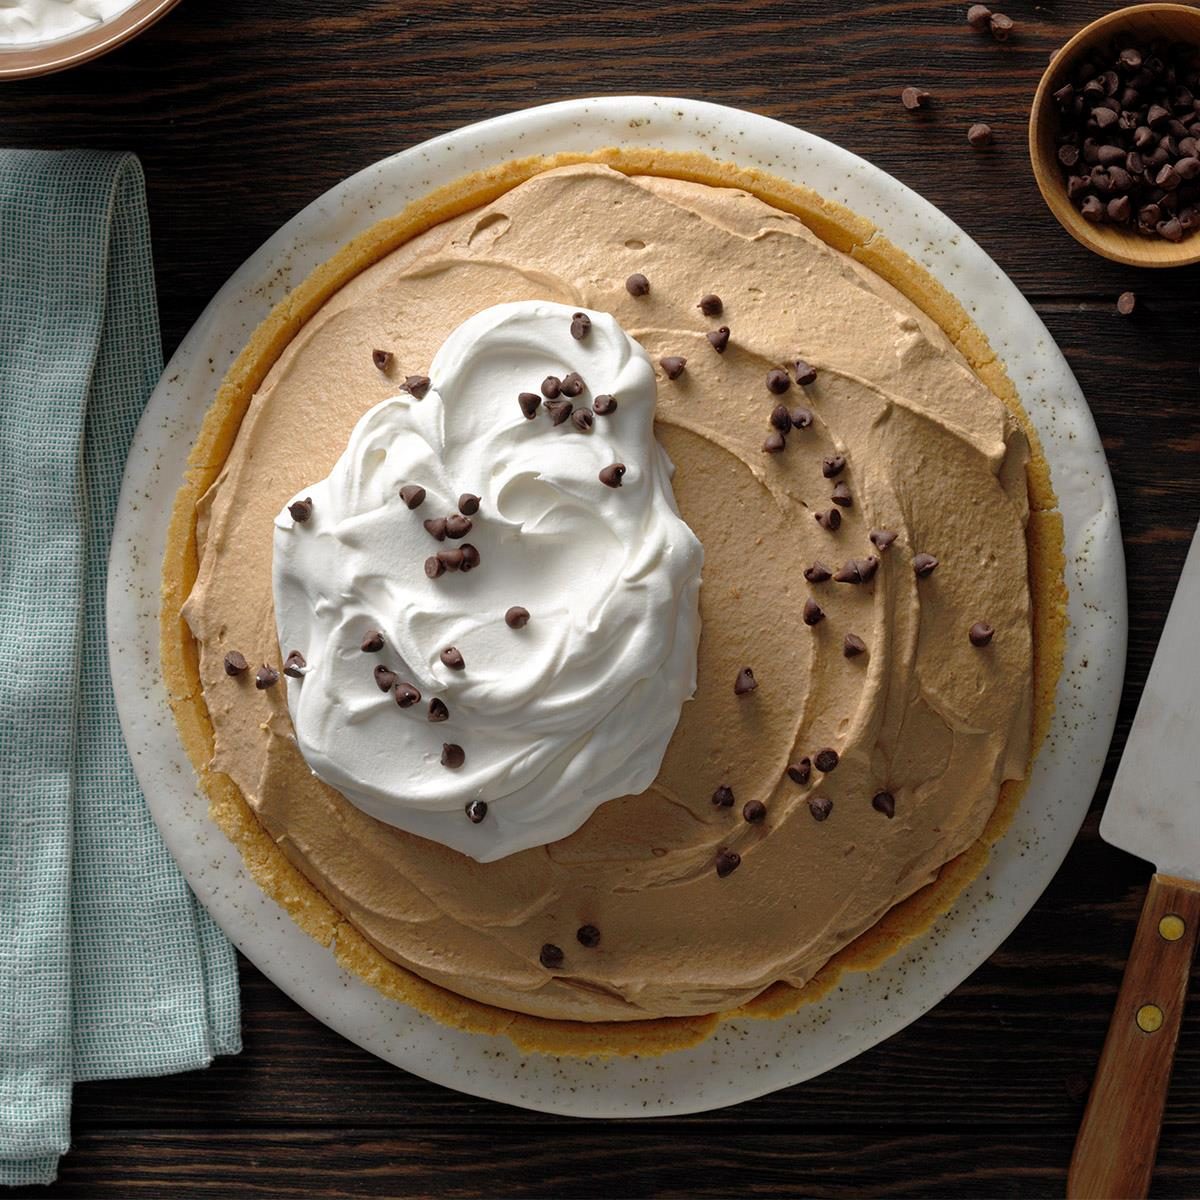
<point x="108" y="966"/>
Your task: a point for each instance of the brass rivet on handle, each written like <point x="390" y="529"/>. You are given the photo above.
<point x="1149" y="1018"/>
<point x="1171" y="928"/>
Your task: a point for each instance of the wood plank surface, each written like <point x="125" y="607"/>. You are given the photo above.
<point x="243" y="112"/>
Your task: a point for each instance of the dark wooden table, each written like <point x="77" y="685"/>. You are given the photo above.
<point x="244" y="112"/>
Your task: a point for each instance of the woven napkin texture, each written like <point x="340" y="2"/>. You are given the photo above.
<point x="108" y="966"/>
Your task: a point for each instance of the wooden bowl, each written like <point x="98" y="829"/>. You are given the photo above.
<point x="1173" y="22"/>
<point x="41" y="58"/>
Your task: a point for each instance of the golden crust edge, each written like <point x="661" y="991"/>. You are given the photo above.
<point x="289" y="887"/>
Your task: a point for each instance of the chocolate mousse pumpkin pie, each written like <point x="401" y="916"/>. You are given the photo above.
<point x="620" y="592"/>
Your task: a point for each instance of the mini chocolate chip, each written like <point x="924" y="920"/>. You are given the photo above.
<point x="723" y="797"/>
<point x="805" y="375"/>
<point x="438" y="710"/>
<point x="457" y="526"/>
<point x="778" y="381"/>
<point x="413" y="495"/>
<point x="813" y="612"/>
<point x="710" y="305"/>
<point x="913" y="98"/>
<point x="818" y="573"/>
<point x="820" y="807"/>
<point x="604" y="405"/>
<point x="857" y="570"/>
<point x="1167" y="178"/>
<point x="637" y="285"/>
<point x="416" y="386"/>
<point x="385" y="680"/>
<point x="881" y="539"/>
<point x="981" y="633"/>
<point x="780" y="418"/>
<point x="294" y="665"/>
<point x="979" y="135"/>
<point x="800" y="772"/>
<point x="453" y="755"/>
<point x="235" y="663"/>
<point x="382" y="359"/>
<point x="802" y="418"/>
<point x="406" y="695"/>
<point x="581" y="326"/>
<point x="551" y="957"/>
<point x="434" y="566"/>
<point x="551" y="386"/>
<point x="841" y="495"/>
<point x="452" y="560"/>
<point x="588" y="935"/>
<point x="727" y="861"/>
<point x="435" y="527"/>
<point x="476" y="810"/>
<point x="774" y="443"/>
<point x="612" y="475"/>
<point x="301" y="510"/>
<point x="1170" y="229"/>
<point x="468" y="504"/>
<point x="825" y="760"/>
<point x="265" y="677"/>
<point x="884" y="802"/>
<point x="754" y="811"/>
<point x="1001" y="26"/>
<point x="452" y="658"/>
<point x="529" y="402"/>
<point x="979" y="16"/>
<point x="830" y="520"/>
<point x="853" y="645"/>
<point x="833" y="464"/>
<point x="924" y="564"/>
<point x="745" y="682"/>
<point x="673" y="365"/>
<point x="559" y="410"/>
<point x="470" y="557"/>
<point x="718" y="339"/>
<point x="516" y="617"/>
<point x="583" y="419"/>
<point x="1126" y="303"/>
<point x="572" y="384"/>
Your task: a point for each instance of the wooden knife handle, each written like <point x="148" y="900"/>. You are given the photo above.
<point x="1117" y="1142"/>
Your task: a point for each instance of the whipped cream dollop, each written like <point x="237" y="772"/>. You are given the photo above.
<point x="552" y="718"/>
<point x="28" y="22"/>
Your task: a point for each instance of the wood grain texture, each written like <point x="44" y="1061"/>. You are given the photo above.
<point x="242" y="113"/>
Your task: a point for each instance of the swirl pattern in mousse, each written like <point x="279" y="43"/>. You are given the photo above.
<point x="787" y="817"/>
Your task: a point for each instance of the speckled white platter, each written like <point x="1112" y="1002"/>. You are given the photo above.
<point x="744" y="1059"/>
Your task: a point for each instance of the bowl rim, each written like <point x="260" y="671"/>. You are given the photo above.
<point x="44" y="58"/>
<point x="1095" y="242"/>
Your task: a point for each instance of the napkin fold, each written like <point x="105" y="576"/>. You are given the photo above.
<point x="108" y="965"/>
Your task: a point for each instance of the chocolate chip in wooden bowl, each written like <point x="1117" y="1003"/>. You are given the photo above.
<point x="778" y="381"/>
<point x="551" y="386"/>
<point x="550" y="956"/>
<point x="980" y="135"/>
<point x="406" y="694"/>
<point x="413" y="495"/>
<point x="451" y="560"/>
<point x="476" y="811"/>
<point x="434" y="567"/>
<point x="452" y="657"/>
<point x="826" y="760"/>
<point x="723" y="797"/>
<point x="529" y="402"/>
<point x="470" y="557"/>
<point x="583" y="419"/>
<point x="438" y="711"/>
<point x="833" y="465"/>
<point x="581" y="326"/>
<point x="774" y="443"/>
<point x="718" y="339"/>
<point x="559" y="411"/>
<point x="301" y="510"/>
<point x="884" y="802"/>
<point x="1001" y="26"/>
<point x="710" y="305"/>
<point x="435" y="527"/>
<point x="806" y="376"/>
<point x="516" y="617"/>
<point x="802" y="418"/>
<point x="265" y="677"/>
<point x="453" y="755"/>
<point x="841" y="495"/>
<point x="235" y="663"/>
<point x="745" y="682"/>
<point x="612" y="475"/>
<point x="673" y="365"/>
<point x="294" y="666"/>
<point x="978" y="17"/>
<point x="800" y="771"/>
<point x="924" y="565"/>
<point x="831" y="520"/>
<point x="385" y="679"/>
<point x="468" y="504"/>
<point x="980" y="634"/>
<point x="914" y="98"/>
<point x="818" y="573"/>
<point x="813" y="613"/>
<point x="588" y="936"/>
<point x="881" y="539"/>
<point x="572" y="384"/>
<point x="780" y="418"/>
<point x="820" y="807"/>
<point x="754" y="812"/>
<point x="605" y="405"/>
<point x="853" y="646"/>
<point x="726" y="862"/>
<point x="1126" y="303"/>
<point x="382" y="359"/>
<point x="637" y="284"/>
<point x="416" y="386"/>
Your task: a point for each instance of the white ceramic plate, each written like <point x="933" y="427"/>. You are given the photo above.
<point x="746" y="1058"/>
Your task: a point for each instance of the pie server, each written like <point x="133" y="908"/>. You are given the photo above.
<point x="1153" y="812"/>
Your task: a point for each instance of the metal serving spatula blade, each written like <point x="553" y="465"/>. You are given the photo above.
<point x="1153" y="812"/>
